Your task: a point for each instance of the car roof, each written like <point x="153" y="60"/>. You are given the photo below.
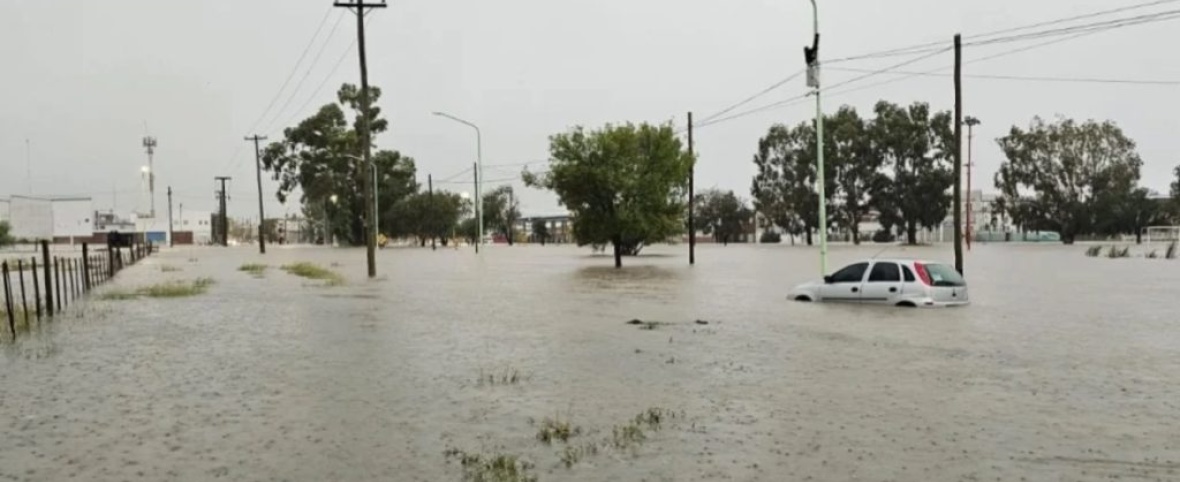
<point x="901" y="260"/>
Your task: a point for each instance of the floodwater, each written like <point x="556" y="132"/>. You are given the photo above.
<point x="1063" y="368"/>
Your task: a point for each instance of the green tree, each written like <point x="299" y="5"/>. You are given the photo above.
<point x="624" y="184"/>
<point x="722" y="215"/>
<point x="501" y="210"/>
<point x="1176" y="197"/>
<point x="541" y="230"/>
<point x="784" y="187"/>
<point x="320" y="157"/>
<point x="424" y="216"/>
<point x="915" y="149"/>
<point x="1066" y="176"/>
<point x="856" y="166"/>
<point x="5" y="234"/>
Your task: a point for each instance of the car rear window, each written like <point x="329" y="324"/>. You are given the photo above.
<point x="909" y="275"/>
<point x="943" y="275"/>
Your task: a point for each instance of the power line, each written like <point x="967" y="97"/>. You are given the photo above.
<point x="1085" y="30"/>
<point x="323" y="46"/>
<point x="1096" y="26"/>
<point x="1026" y="78"/>
<point x="294" y="69"/>
<point x="795" y="99"/>
<point x="928" y="46"/>
<point x="753" y="97"/>
<point x="1076" y="17"/>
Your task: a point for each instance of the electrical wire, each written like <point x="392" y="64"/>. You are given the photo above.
<point x="753" y="97"/>
<point x="315" y="61"/>
<point x="928" y="46"/>
<point x="294" y="69"/>
<point x="1025" y="78"/>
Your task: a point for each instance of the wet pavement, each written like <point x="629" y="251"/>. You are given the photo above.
<point x="1063" y="368"/>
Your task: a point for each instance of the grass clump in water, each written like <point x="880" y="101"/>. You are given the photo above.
<point x="315" y="272"/>
<point x="1115" y="252"/>
<point x="557" y="429"/>
<point x="167" y="268"/>
<point x="1094" y="251"/>
<point x="254" y="269"/>
<point x="177" y="289"/>
<point x="492" y="467"/>
<point x="170" y="289"/>
<point x="510" y="376"/>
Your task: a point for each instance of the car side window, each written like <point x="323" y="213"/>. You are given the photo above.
<point x="853" y="273"/>
<point x="884" y="273"/>
<point x="909" y="275"/>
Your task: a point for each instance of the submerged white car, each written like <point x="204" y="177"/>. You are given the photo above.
<point x="898" y="282"/>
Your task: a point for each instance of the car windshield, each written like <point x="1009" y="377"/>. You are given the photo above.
<point x="943" y="275"/>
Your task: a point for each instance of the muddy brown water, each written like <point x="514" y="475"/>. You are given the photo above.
<point x="1063" y="368"/>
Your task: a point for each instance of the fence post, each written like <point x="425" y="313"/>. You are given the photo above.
<point x="86" y="269"/>
<point x="36" y="290"/>
<point x="8" y="300"/>
<point x="72" y="264"/>
<point x="24" y="301"/>
<point x="57" y="297"/>
<point x="48" y="278"/>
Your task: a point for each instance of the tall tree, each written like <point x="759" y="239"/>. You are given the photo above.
<point x="784" y="188"/>
<point x="623" y="184"/>
<point x="856" y="166"/>
<point x="1059" y="176"/>
<point x="501" y="210"/>
<point x="915" y="148"/>
<point x="320" y="157"/>
<point x="722" y="215"/>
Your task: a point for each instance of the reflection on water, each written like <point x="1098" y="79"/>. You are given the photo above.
<point x="1063" y="368"/>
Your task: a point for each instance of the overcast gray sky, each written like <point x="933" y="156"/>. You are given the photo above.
<point x="82" y="79"/>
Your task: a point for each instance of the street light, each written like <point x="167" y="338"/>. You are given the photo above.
<point x="331" y="229"/>
<point x="811" y="55"/>
<point x="970" y="122"/>
<point x="478" y="174"/>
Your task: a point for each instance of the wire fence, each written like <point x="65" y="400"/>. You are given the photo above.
<point x="38" y="287"/>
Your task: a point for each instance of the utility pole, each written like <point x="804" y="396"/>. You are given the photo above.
<point x="958" y="214"/>
<point x="692" y="228"/>
<point x="371" y="237"/>
<point x="258" y="169"/>
<point x="171" y="236"/>
<point x="149" y="144"/>
<point x="478" y="207"/>
<point x="433" y="213"/>
<point x="224" y="220"/>
<point x="971" y="123"/>
<point x="811" y="55"/>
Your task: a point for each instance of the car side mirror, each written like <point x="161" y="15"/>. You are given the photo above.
<point x="828" y="279"/>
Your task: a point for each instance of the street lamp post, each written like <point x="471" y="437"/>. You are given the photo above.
<point x="811" y="55"/>
<point x="971" y="122"/>
<point x="478" y="175"/>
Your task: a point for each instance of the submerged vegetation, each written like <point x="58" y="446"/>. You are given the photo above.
<point x="168" y="289"/>
<point x="255" y="269"/>
<point x="314" y="272"/>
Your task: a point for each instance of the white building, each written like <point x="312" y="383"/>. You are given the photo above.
<point x="61" y="219"/>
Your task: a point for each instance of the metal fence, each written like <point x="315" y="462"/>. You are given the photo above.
<point x="37" y="287"/>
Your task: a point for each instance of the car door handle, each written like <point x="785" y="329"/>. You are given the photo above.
<point x="854" y="289"/>
<point x="893" y="289"/>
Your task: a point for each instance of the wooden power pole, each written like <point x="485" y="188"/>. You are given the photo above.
<point x="171" y="241"/>
<point x="258" y="168"/>
<point x="958" y="154"/>
<point x="224" y="220"/>
<point x="359" y="7"/>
